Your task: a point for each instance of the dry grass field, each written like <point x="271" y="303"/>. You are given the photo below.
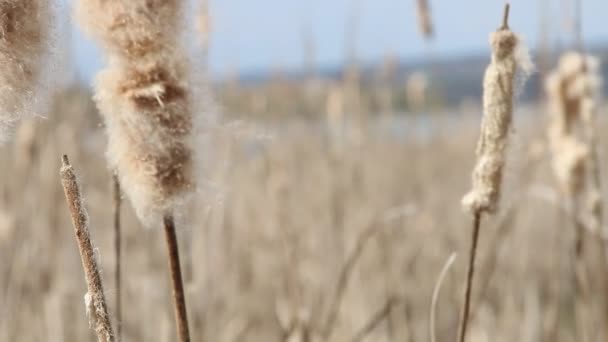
<point x="282" y="210"/>
<point x="311" y="208"/>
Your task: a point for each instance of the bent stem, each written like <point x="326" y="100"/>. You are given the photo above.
<point x="435" y="297"/>
<point x="179" y="298"/>
<point x="464" y="321"/>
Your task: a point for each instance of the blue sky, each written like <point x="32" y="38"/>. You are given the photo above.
<point x="253" y="35"/>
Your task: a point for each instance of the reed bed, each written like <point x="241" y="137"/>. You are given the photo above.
<point x="277" y="201"/>
<point x="332" y="228"/>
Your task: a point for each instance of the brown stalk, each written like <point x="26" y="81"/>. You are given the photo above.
<point x="502" y="228"/>
<point x="487" y="176"/>
<point x="103" y="327"/>
<point x="117" y="244"/>
<point x="179" y="297"/>
<point x="464" y="321"/>
<point x="488" y="266"/>
<point x="505" y="17"/>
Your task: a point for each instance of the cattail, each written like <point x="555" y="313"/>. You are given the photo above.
<point x="147" y="111"/>
<point x="95" y="298"/>
<point x="145" y="98"/>
<point x="572" y="91"/>
<point x="24" y="48"/>
<point x="498" y="89"/>
<point x="594" y="202"/>
<point x="569" y="153"/>
<point x="425" y="23"/>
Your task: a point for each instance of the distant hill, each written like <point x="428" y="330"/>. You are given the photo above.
<point x="454" y="78"/>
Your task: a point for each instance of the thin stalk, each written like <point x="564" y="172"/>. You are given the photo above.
<point x="435" y="298"/>
<point x="117" y="249"/>
<point x="80" y="221"/>
<point x="464" y="321"/>
<point x="179" y="298"/>
<point x="505" y="17"/>
<point x="581" y="298"/>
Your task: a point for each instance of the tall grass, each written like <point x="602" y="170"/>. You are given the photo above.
<point x="275" y="263"/>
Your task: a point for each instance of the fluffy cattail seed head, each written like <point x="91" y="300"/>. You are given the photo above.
<point x="24" y="47"/>
<point x="498" y="89"/>
<point x="147" y="113"/>
<point x="132" y="30"/>
<point x="572" y="90"/>
<point x="145" y="99"/>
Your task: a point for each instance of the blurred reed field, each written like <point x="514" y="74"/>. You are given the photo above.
<point x="326" y="208"/>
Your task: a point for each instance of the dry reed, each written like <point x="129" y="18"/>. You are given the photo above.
<point x="425" y="23"/>
<point x="117" y="201"/>
<point x="179" y="299"/>
<point x="144" y="98"/>
<point x="146" y="103"/>
<point x="569" y="151"/>
<point x="498" y="90"/>
<point x="95" y="295"/>
<point x="24" y="46"/>
<point x="573" y="92"/>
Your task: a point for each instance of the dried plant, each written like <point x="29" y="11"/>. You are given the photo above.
<point x="144" y="96"/>
<point x="573" y="91"/>
<point x="24" y="48"/>
<point x="498" y="88"/>
<point x="498" y="91"/>
<point x="425" y="22"/>
<point x="95" y="298"/>
<point x="565" y="92"/>
<point x="117" y="197"/>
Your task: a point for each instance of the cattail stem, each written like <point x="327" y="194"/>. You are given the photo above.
<point x="179" y="298"/>
<point x="505" y="17"/>
<point x="464" y="320"/>
<point x="79" y="215"/>
<point x="117" y="245"/>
